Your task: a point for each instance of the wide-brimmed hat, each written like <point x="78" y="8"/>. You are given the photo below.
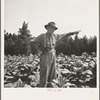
<point x="51" y="24"/>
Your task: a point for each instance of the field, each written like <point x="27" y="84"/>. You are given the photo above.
<point x="72" y="71"/>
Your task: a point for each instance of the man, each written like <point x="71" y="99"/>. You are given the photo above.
<point x="46" y="45"/>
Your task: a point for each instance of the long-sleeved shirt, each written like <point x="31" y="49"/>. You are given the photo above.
<point x="48" y="42"/>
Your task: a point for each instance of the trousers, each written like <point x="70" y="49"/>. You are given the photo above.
<point x="47" y="67"/>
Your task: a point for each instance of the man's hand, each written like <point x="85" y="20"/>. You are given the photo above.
<point x="77" y="32"/>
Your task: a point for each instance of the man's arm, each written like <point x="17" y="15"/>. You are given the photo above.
<point x="60" y="36"/>
<point x="36" y="41"/>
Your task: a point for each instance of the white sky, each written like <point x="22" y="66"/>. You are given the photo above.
<point x="69" y="15"/>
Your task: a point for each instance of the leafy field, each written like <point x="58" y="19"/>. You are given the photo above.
<point x="72" y="71"/>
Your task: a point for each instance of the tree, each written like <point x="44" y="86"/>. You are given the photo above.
<point x="24" y="30"/>
<point x="25" y="37"/>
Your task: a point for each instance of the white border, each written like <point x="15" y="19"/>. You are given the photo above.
<point x="44" y="94"/>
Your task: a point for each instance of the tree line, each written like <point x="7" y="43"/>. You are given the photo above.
<point x="15" y="44"/>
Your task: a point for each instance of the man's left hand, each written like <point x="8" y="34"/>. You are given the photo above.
<point x="77" y="32"/>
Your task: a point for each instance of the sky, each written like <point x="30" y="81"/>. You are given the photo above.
<point x="69" y="16"/>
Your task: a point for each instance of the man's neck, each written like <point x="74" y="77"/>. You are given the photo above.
<point x="49" y="34"/>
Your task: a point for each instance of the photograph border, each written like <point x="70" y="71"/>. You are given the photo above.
<point x="44" y="93"/>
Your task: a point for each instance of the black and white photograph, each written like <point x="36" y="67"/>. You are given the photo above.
<point x="50" y="44"/>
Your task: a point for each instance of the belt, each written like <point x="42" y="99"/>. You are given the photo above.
<point x="49" y="50"/>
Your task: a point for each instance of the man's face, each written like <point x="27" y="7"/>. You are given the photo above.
<point x="50" y="29"/>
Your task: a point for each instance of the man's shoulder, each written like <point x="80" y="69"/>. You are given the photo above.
<point x="38" y="38"/>
<point x="41" y="35"/>
<point x="56" y="35"/>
